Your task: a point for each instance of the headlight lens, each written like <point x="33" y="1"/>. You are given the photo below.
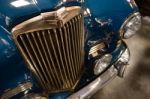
<point x="131" y="26"/>
<point x="102" y="64"/>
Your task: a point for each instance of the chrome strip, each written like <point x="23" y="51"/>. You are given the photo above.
<point x="52" y="52"/>
<point x="47" y="20"/>
<point x="101" y="81"/>
<point x="95" y="49"/>
<point x="121" y="31"/>
<point x="68" y="55"/>
<point x="20" y="88"/>
<point x="64" y="77"/>
<point x="95" y="85"/>
<point x="55" y="55"/>
<point x="71" y="54"/>
<point x="56" y="82"/>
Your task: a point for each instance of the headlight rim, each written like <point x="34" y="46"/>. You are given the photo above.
<point x="101" y="61"/>
<point x="121" y="30"/>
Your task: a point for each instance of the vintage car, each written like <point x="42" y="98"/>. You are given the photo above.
<point x="62" y="49"/>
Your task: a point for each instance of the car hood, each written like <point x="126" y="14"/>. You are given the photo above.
<point x="13" y="12"/>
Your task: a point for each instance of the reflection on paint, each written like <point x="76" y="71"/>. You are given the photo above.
<point x="20" y="3"/>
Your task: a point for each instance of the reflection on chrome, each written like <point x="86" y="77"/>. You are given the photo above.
<point x="95" y="85"/>
<point x="91" y="88"/>
<point x="17" y="90"/>
<point x="87" y="12"/>
<point x="102" y="64"/>
<point x="132" y="3"/>
<point x="131" y="25"/>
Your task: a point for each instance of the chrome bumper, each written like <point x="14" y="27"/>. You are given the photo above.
<point x="117" y="68"/>
<point x="95" y="85"/>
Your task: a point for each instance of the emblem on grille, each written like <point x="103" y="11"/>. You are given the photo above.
<point x="52" y="44"/>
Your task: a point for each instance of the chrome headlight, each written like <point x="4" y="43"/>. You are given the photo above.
<point x="102" y="64"/>
<point x="131" y="26"/>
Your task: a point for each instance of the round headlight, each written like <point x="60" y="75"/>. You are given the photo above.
<point x="102" y="64"/>
<point x="131" y="26"/>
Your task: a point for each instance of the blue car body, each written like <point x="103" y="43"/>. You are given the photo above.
<point x="103" y="23"/>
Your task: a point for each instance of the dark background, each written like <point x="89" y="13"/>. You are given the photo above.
<point x="144" y="6"/>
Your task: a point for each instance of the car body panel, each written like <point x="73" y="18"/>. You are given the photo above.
<point x="13" y="69"/>
<point x="116" y="11"/>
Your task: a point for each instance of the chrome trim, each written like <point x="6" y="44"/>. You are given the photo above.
<point x="102" y="64"/>
<point x="115" y="70"/>
<point x="97" y="49"/>
<point x="95" y="85"/>
<point x="121" y="30"/>
<point x="122" y="62"/>
<point x="34" y="96"/>
<point x="132" y="3"/>
<point x="55" y="54"/>
<point x="47" y="20"/>
<point x="20" y="88"/>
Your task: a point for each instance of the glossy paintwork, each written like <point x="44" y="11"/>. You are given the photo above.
<point x="12" y="68"/>
<point x="102" y="24"/>
<point x="22" y="13"/>
<point x="105" y="19"/>
<point x="114" y="12"/>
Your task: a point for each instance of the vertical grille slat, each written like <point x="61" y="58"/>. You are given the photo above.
<point x="42" y="58"/>
<point x="45" y="59"/>
<point x="78" y="19"/>
<point x="64" y="77"/>
<point x="81" y="40"/>
<point x="73" y="46"/>
<point x="71" y="76"/>
<point x="34" y="52"/>
<point x="55" y="77"/>
<point x="32" y="60"/>
<point x="65" y="56"/>
<point x="55" y="55"/>
<point x="70" y="53"/>
<point x="76" y="42"/>
<point x="56" y="58"/>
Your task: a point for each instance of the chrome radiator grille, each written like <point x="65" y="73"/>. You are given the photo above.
<point x="55" y="56"/>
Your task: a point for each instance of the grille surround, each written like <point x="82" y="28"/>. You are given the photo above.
<point x="52" y="45"/>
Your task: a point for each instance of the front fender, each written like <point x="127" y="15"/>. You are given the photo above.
<point x="114" y="12"/>
<point x="12" y="68"/>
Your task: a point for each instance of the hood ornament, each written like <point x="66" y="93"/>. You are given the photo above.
<point x="47" y="20"/>
<point x="56" y="18"/>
